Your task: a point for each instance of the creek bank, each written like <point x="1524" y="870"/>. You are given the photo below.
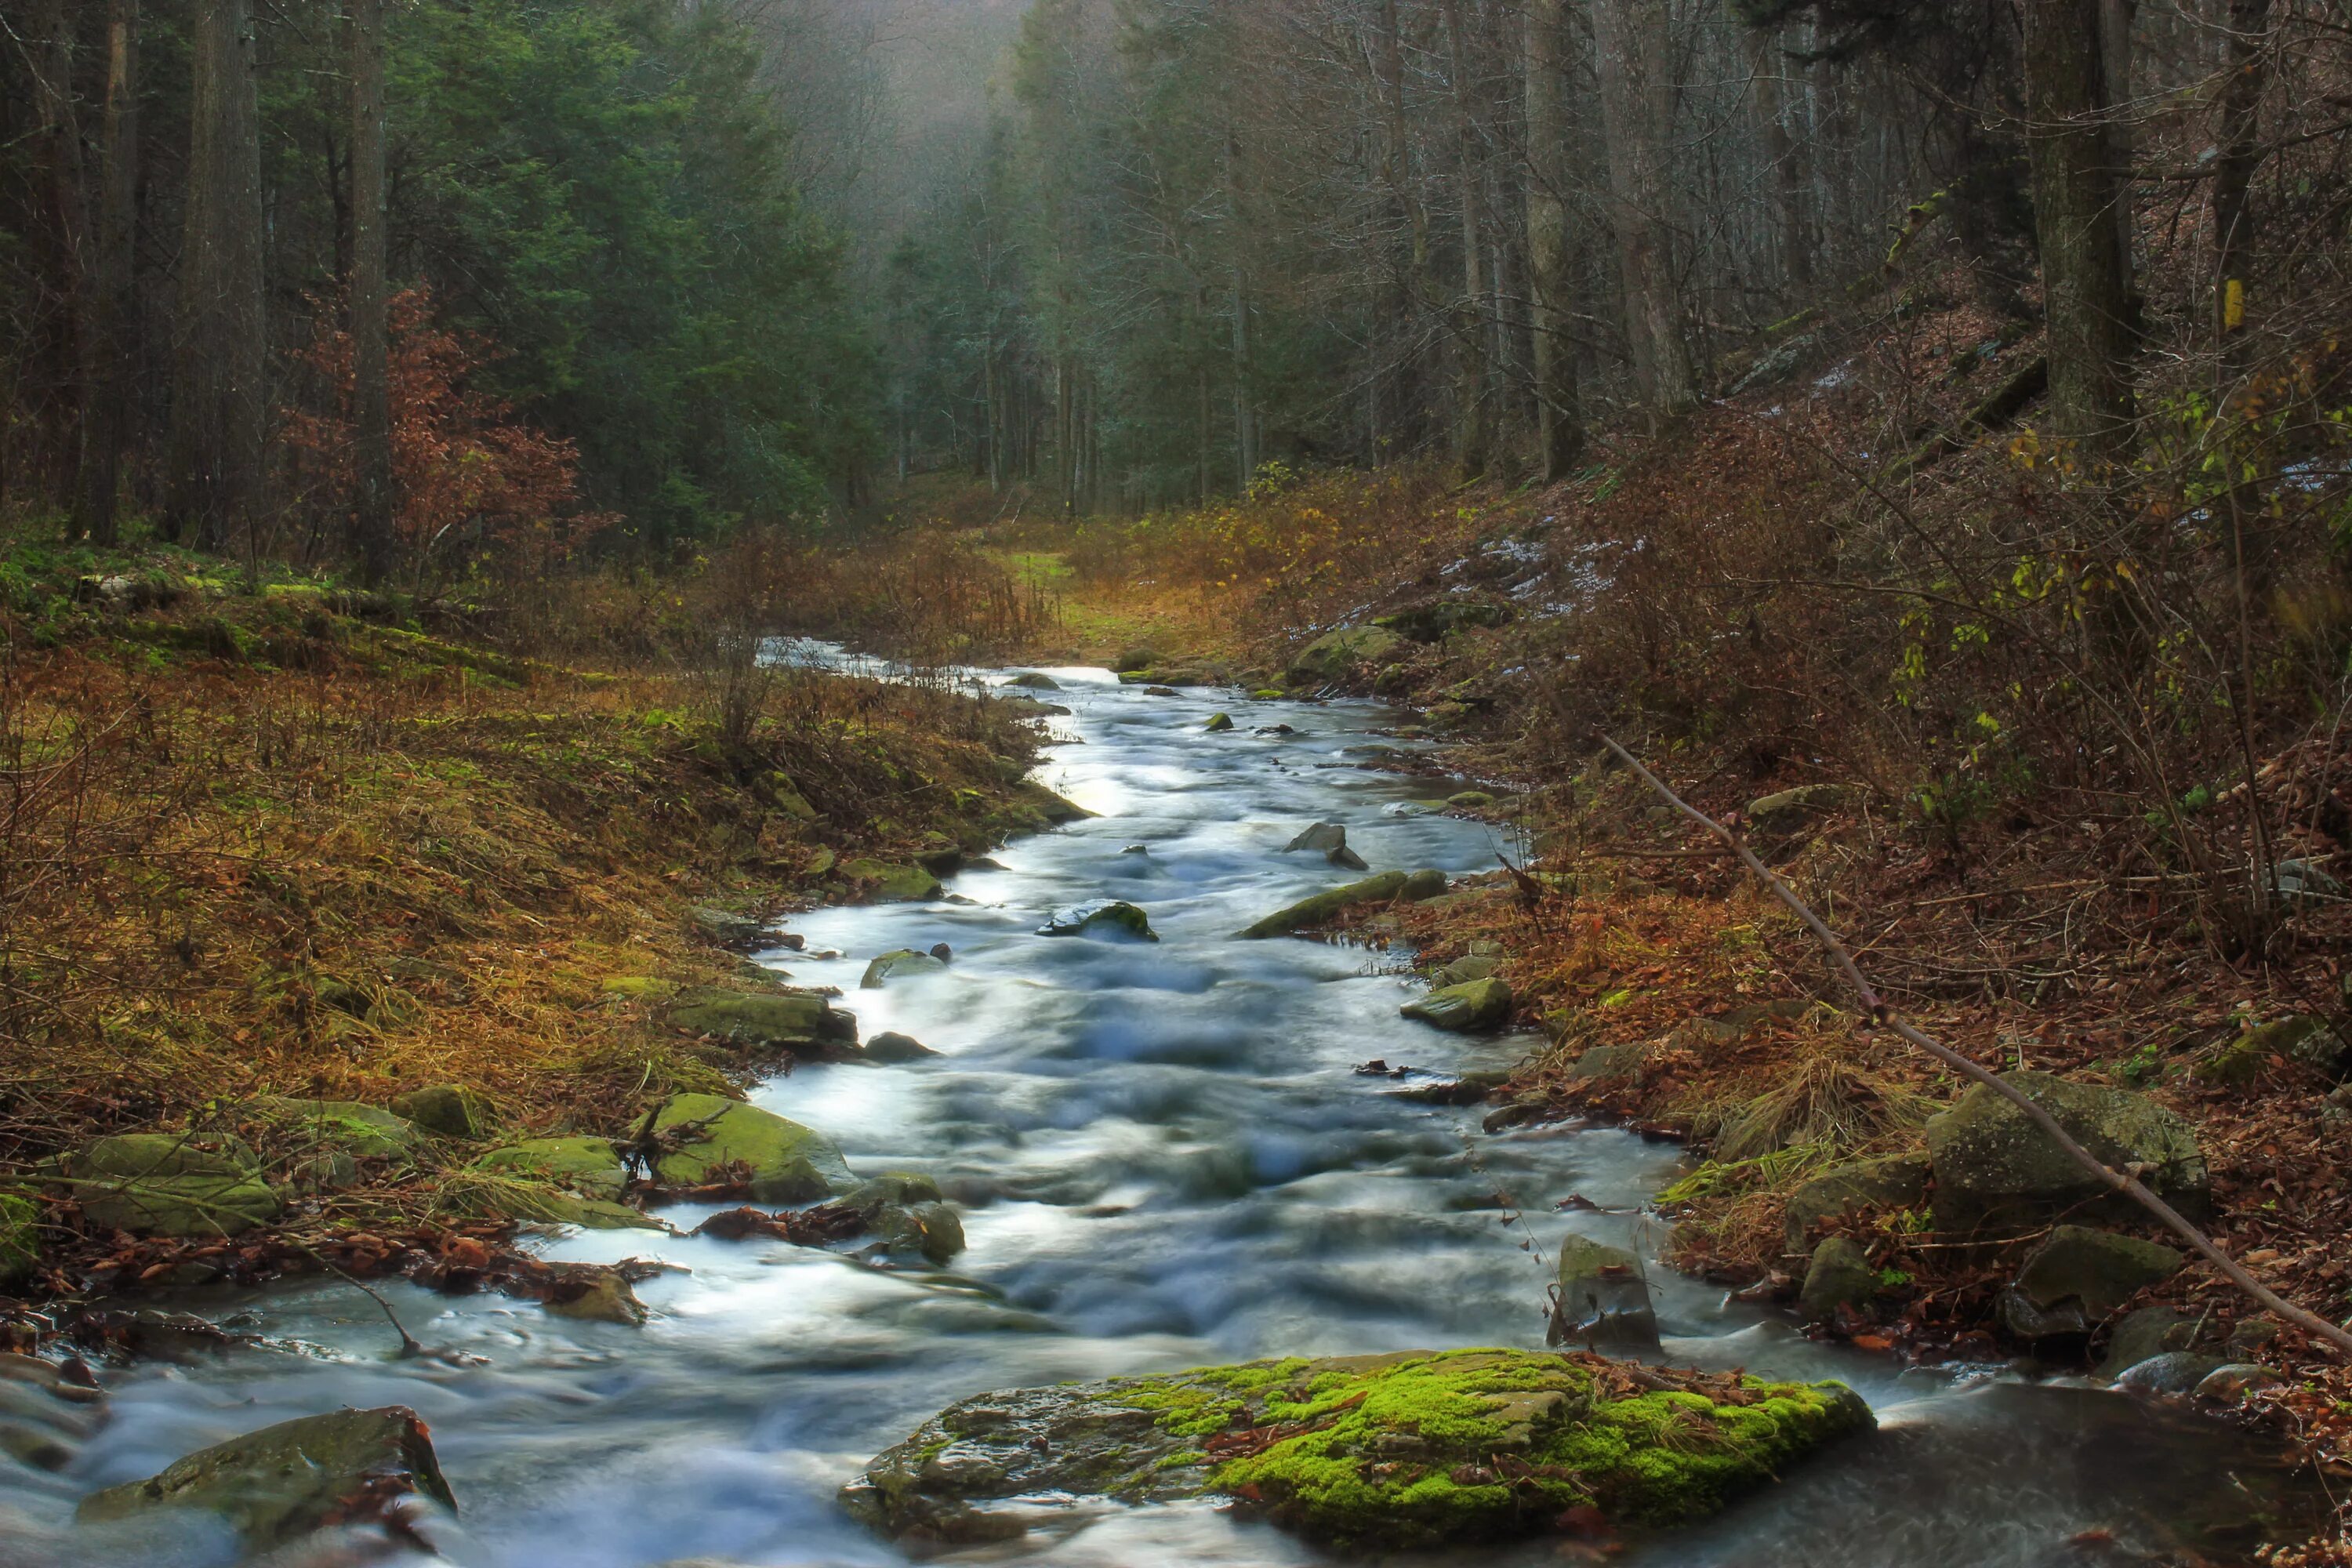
<point x="1402" y="1450"/>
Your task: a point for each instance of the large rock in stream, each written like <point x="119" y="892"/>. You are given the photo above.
<point x="1392" y="1452"/>
<point x="707" y="1141"/>
<point x="281" y="1483"/>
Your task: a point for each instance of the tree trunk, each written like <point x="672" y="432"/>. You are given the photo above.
<point x="372" y="503"/>
<point x="1771" y="66"/>
<point x="1636" y="101"/>
<point x="2237" y="135"/>
<point x="1560" y="423"/>
<point x="1245" y="402"/>
<point x="106" y="421"/>
<point x="2085" y="275"/>
<point x="218" y="385"/>
<point x="66" y="210"/>
<point x="1471" y="439"/>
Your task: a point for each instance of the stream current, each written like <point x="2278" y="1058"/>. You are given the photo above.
<point x="1163" y="1160"/>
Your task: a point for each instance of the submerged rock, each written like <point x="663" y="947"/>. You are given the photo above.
<point x="908" y="1215"/>
<point x="1033" y="680"/>
<point x="1603" y="1299"/>
<point x="906" y="963"/>
<point x="281" y="1483"/>
<point x="708" y="1141"/>
<point x="2173" y="1373"/>
<point x="890" y="1047"/>
<point x="1325" y="906"/>
<point x="170" y="1183"/>
<point x="596" y="1294"/>
<point x="2078" y="1278"/>
<point x="1994" y="1167"/>
<point x="1391" y="1452"/>
<point x="1102" y="915"/>
<point x="1472" y="1005"/>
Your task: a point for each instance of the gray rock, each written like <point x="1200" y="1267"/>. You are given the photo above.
<point x="725" y="927"/>
<point x="890" y="1047"/>
<point x="1895" y="1181"/>
<point x="2149" y="1332"/>
<point x="2232" y="1382"/>
<point x="1995" y="1167"/>
<point x="1839" y="1276"/>
<point x="1329" y="840"/>
<point x="1476" y="1004"/>
<point x="283" y="1482"/>
<point x="1422" y="886"/>
<point x="2079" y="1278"/>
<point x="1462" y="971"/>
<point x="2304" y="884"/>
<point x="1604" y="1299"/>
<point x="596" y="1294"/>
<point x="2172" y="1373"/>
<point x="1102" y="917"/>
<point x="1603" y="1062"/>
<point x="170" y="1183"/>
<point x="906" y="963"/>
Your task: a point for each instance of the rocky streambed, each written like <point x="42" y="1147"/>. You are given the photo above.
<point x="1141" y="1269"/>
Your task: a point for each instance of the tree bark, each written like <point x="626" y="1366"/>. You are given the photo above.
<point x="2085" y="275"/>
<point x="1636" y="99"/>
<point x="1471" y="438"/>
<point x="1771" y="66"/>
<point x="1559" y="422"/>
<point x="1245" y="452"/>
<point x="222" y="358"/>
<point x="2233" y="175"/>
<point x="106" y="421"/>
<point x="64" y="208"/>
<point x="372" y="503"/>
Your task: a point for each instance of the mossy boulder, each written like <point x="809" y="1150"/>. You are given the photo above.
<point x="2308" y="1041"/>
<point x="1474" y="1005"/>
<point x="1604" y="1299"/>
<point x="904" y="963"/>
<point x="773" y="1021"/>
<point x="907" y="1214"/>
<point x="1325" y="906"/>
<point x="708" y="1139"/>
<point x="1793" y="810"/>
<point x="2079" y="1278"/>
<point x="361" y="1131"/>
<point x="20" y="1239"/>
<point x="891" y="884"/>
<point x="170" y="1183"/>
<point x="1470" y="966"/>
<point x="447" y="1110"/>
<point x="1102" y="917"/>
<point x="283" y="1482"/>
<point x="1034" y="681"/>
<point x="1840" y="1275"/>
<point x="1994" y="1167"/>
<point x="1219" y="723"/>
<point x="1387" y="1452"/>
<point x="1423" y="885"/>
<point x="1336" y="656"/>
<point x="1895" y="1181"/>
<point x="590" y="1167"/>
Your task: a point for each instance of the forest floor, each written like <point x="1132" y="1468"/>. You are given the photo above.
<point x="277" y="854"/>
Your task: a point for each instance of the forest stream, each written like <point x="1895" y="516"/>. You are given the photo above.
<point x="1164" y="1158"/>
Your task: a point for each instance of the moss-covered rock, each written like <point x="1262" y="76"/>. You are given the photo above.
<point x="1603" y="1299"/>
<point x="20" y="1239"/>
<point x="1100" y="917"/>
<point x="1219" y="723"/>
<point x="905" y="964"/>
<point x="1472" y="1005"/>
<point x="595" y="1296"/>
<point x="2149" y="1332"/>
<point x="1995" y="1167"/>
<point x="1792" y="809"/>
<point x="281" y="1483"/>
<point x="771" y="1021"/>
<point x="1033" y="680"/>
<point x="1840" y="1275"/>
<point x="1441" y="618"/>
<point x="1422" y="886"/>
<point x="1325" y="906"/>
<point x="708" y="1139"/>
<point x="590" y="1167"/>
<point x="2078" y="1278"/>
<point x="1895" y="1181"/>
<point x="361" y="1131"/>
<point x="891" y="884"/>
<point x="1335" y="656"/>
<point x="1392" y="1451"/>
<point x="2305" y="1040"/>
<point x="447" y="1110"/>
<point x="170" y="1183"/>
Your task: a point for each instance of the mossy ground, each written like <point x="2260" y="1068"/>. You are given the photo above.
<point x="289" y="844"/>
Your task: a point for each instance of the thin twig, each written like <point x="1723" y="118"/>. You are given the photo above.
<point x="1876" y="1010"/>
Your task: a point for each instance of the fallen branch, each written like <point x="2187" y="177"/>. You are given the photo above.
<point x="1876" y="1009"/>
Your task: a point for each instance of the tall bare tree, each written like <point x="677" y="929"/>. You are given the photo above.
<point x="1633" y="47"/>
<point x="1473" y="438"/>
<point x="369" y="298"/>
<point x="221" y="350"/>
<point x="2238" y="136"/>
<point x="108" y="368"/>
<point x="2085" y="272"/>
<point x="1559" y="423"/>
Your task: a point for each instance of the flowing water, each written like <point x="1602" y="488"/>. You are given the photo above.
<point x="1164" y="1160"/>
